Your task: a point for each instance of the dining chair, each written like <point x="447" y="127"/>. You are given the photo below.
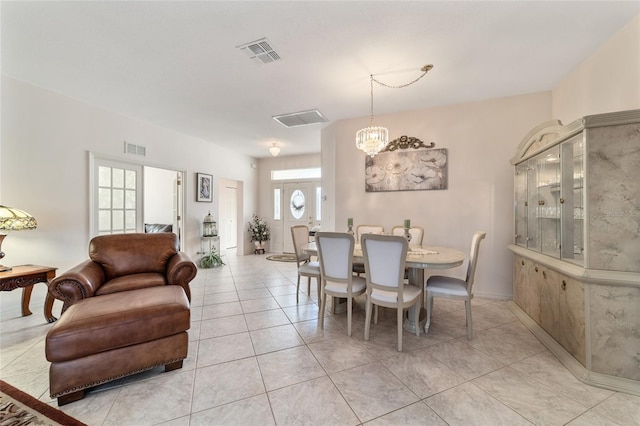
<point x="384" y="258"/>
<point x="417" y="234"/>
<point x="456" y="288"/>
<point x="335" y="252"/>
<point x="368" y="229"/>
<point x="306" y="267"/>
<point x="358" y="267"/>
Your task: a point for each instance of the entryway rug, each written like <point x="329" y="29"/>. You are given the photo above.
<point x="19" y="408"/>
<point x="282" y="257"/>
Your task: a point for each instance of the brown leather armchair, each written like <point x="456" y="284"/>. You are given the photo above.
<point x="124" y="262"/>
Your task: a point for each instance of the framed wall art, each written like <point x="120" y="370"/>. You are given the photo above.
<point x="204" y="187"/>
<point x="407" y="164"/>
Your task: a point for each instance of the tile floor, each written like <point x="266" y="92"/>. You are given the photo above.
<point x="258" y="358"/>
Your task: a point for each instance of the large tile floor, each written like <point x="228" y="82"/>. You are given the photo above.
<point x="258" y="358"/>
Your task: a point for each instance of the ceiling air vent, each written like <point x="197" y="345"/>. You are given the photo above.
<point x="300" y="118"/>
<point x="260" y="51"/>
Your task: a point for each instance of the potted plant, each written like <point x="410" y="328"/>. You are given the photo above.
<point x="259" y="231"/>
<point x="211" y="259"/>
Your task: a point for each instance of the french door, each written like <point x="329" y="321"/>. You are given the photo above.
<point x="117" y="197"/>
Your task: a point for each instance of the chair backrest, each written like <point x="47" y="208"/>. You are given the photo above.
<point x="473" y="258"/>
<point x="127" y="254"/>
<point x="384" y="260"/>
<point x="417" y="234"/>
<point x="368" y="229"/>
<point x="300" y="237"/>
<point x="335" y="253"/>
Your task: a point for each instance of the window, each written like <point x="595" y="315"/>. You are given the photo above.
<point x="276" y="204"/>
<point x="313" y="173"/>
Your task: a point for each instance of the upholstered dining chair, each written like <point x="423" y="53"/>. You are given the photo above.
<point x="416" y="232"/>
<point x="358" y="267"/>
<point x="306" y="267"/>
<point x="335" y="253"/>
<point x="384" y="258"/>
<point x="456" y="288"/>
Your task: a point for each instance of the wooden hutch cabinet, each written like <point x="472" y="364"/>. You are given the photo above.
<point x="577" y="244"/>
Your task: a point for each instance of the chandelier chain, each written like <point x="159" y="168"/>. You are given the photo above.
<point x="424" y="69"/>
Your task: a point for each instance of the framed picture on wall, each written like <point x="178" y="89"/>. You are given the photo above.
<point x="204" y="188"/>
<point x="407" y="164"/>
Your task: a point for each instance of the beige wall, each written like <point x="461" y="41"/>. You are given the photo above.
<point x="480" y="138"/>
<point x="608" y="81"/>
<point x="46" y="139"/>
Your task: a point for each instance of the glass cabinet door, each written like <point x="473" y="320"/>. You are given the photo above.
<point x="533" y="230"/>
<point x="548" y="204"/>
<point x="521" y="204"/>
<point x="572" y="199"/>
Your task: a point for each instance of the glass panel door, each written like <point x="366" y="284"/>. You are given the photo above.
<point x="117" y="206"/>
<point x="548" y="173"/>
<point x="521" y="204"/>
<point x="533" y="230"/>
<point x="572" y="200"/>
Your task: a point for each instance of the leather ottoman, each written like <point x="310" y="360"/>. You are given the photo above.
<point x="100" y="339"/>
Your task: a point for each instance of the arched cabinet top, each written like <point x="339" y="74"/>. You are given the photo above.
<point x="553" y="132"/>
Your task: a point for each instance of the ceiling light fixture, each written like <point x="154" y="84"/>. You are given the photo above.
<point x="274" y="149"/>
<point x="373" y="139"/>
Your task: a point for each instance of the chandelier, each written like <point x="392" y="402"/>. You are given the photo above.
<point x="274" y="149"/>
<point x="373" y="139"/>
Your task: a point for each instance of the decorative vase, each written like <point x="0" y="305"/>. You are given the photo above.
<point x="259" y="244"/>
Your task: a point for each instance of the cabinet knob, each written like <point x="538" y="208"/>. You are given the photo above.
<point x="564" y="285"/>
<point x="536" y="269"/>
<point x="541" y="203"/>
<point x="544" y="274"/>
<point x="523" y="263"/>
<point x="561" y="200"/>
<point x="526" y="203"/>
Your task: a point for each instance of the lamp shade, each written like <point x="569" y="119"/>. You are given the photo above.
<point x="12" y="219"/>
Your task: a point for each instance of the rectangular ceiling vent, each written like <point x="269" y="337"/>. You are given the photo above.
<point x="260" y="52"/>
<point x="130" y="148"/>
<point x="300" y="118"/>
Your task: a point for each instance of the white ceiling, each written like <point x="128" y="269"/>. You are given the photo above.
<point x="176" y="63"/>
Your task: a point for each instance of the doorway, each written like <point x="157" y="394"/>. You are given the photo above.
<point x="124" y="196"/>
<point x="228" y="206"/>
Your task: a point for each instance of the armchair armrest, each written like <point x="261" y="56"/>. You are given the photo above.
<point x="78" y="283"/>
<point x="180" y="271"/>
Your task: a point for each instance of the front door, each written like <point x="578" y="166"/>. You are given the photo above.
<point x="299" y="208"/>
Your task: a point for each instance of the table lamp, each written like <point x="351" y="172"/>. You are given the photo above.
<point x="13" y="220"/>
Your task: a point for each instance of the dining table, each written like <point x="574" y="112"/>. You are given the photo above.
<point x="419" y="258"/>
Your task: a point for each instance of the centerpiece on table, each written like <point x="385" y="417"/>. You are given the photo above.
<point x="259" y="231"/>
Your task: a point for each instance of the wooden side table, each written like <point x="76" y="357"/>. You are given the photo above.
<point x="25" y="276"/>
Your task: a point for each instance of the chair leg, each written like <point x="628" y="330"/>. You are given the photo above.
<point x="298" y="289"/>
<point x="467" y="305"/>
<point x="399" y="319"/>
<point x="349" y="306"/>
<point x="416" y="318"/>
<point x="309" y="286"/>
<point x="375" y="315"/>
<point x="323" y="302"/>
<point x="367" y="321"/>
<point x="429" y="309"/>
